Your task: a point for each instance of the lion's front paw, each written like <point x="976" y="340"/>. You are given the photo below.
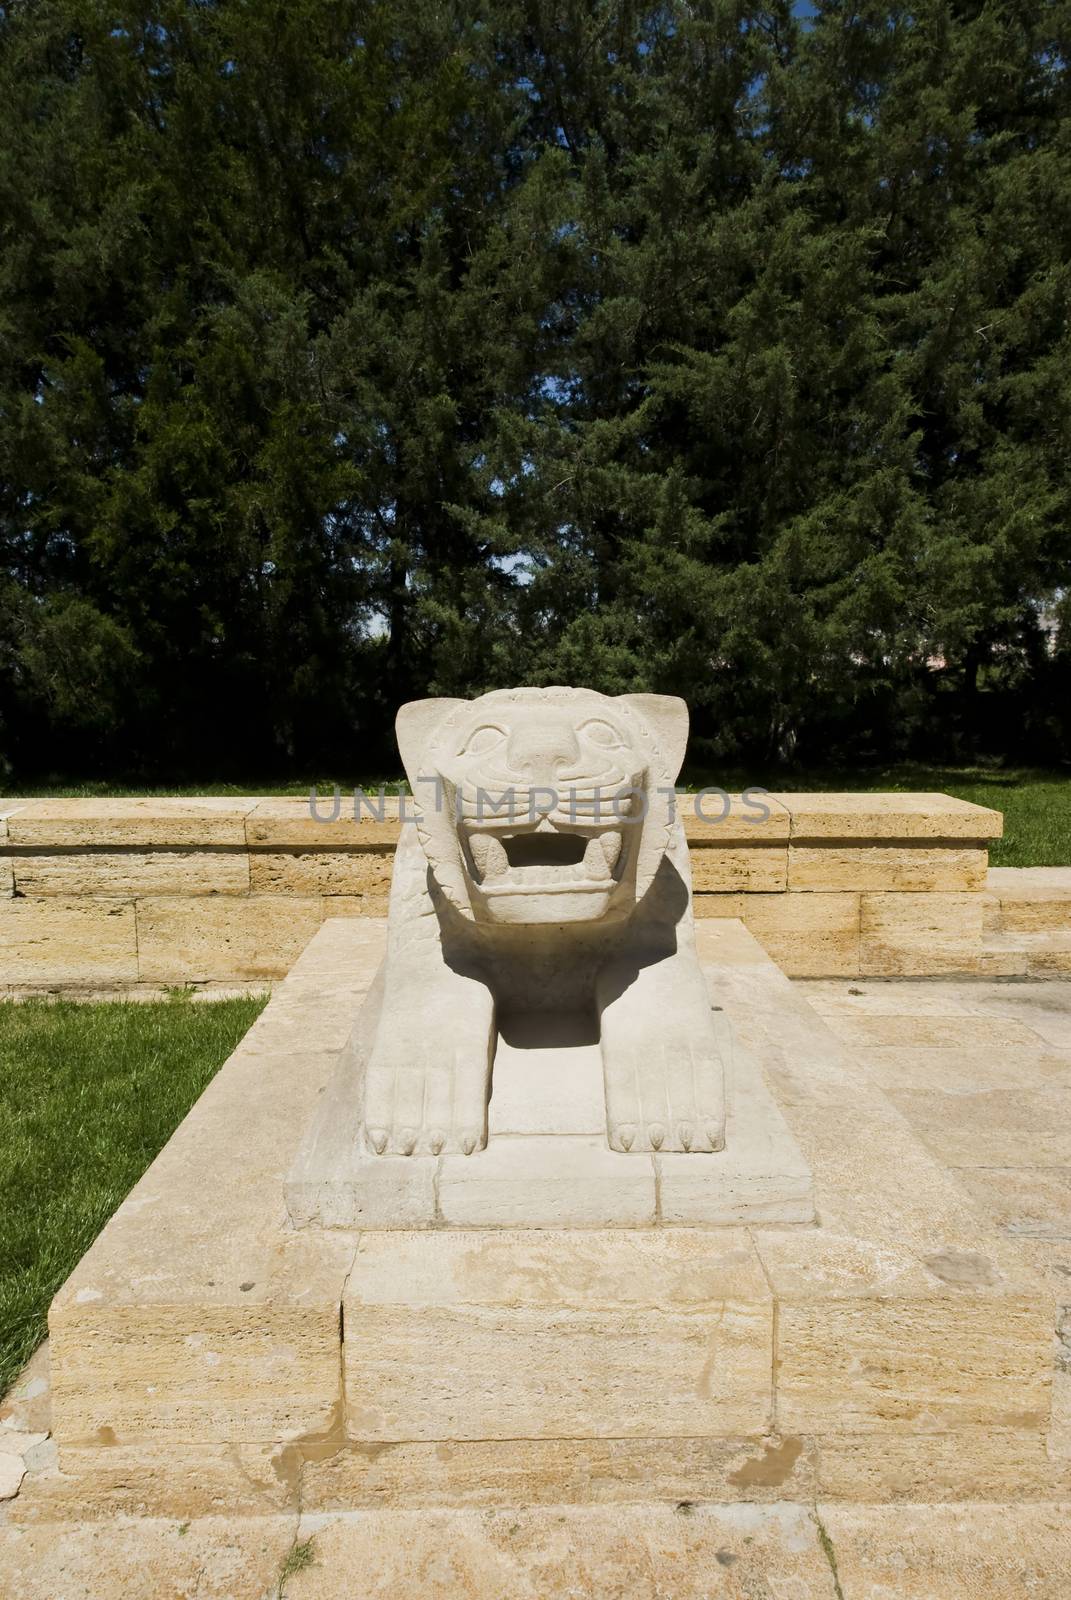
<point x="425" y="1107"/>
<point x="667" y="1097"/>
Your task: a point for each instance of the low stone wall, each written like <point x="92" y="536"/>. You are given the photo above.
<point x="156" y="892"/>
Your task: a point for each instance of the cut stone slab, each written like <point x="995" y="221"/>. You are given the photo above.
<point x="733" y="867"/>
<point x="181" y="939"/>
<point x="642" y="1551"/>
<point x="1028" y="1203"/>
<point x="921" y="1552"/>
<point x="904" y="868"/>
<point x="900" y="934"/>
<point x="326" y="872"/>
<point x="286" y="823"/>
<point x="129" y="873"/>
<point x="490" y="1472"/>
<point x="808" y="935"/>
<point x="547" y="1163"/>
<point x="170" y="820"/>
<point x="1032" y="899"/>
<point x="145" y="1558"/>
<point x="718" y="819"/>
<point x="53" y="940"/>
<point x="566" y="1336"/>
<point x="888" y="816"/>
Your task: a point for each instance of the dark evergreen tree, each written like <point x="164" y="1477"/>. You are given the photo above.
<point x="352" y="350"/>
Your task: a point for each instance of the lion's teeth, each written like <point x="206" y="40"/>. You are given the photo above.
<point x="596" y="864"/>
<point x="489" y="854"/>
<point x="611" y="847"/>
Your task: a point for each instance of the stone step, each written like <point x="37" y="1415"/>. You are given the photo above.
<point x="1002" y="956"/>
<point x="1048" y="955"/>
<point x="1032" y="899"/>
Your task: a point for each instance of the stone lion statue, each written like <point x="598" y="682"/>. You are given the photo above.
<point x="547" y="871"/>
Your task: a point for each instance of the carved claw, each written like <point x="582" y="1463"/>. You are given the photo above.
<point x="436" y="1140"/>
<point x="407" y="1138"/>
<point x="377" y="1138"/>
<point x="657" y="1134"/>
<point x="626" y="1134"/>
<point x="685" y="1133"/>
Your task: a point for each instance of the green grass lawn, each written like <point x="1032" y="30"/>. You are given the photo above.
<point x="1036" y="803"/>
<point x="88" y="1094"/>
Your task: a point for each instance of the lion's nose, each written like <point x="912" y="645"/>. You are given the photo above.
<point x="542" y="753"/>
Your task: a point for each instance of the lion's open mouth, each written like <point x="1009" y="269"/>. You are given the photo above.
<point x="544" y="862"/>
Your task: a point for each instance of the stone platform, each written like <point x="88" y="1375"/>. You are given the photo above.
<point x="548" y="1163"/>
<point x="207" y="1357"/>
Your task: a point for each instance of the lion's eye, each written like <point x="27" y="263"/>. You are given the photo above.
<point x="482" y="740"/>
<point x="601" y="733"/>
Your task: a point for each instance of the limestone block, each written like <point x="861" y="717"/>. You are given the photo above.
<point x="164" y="1479"/>
<point x="191" y="939"/>
<point x="808" y="935"/>
<point x="497" y="1472"/>
<point x="927" y="1552"/>
<point x="556" y="1335"/>
<point x="1011" y="1127"/>
<point x="905" y="1031"/>
<point x="888" y="816"/>
<point x="52" y="941"/>
<point x="291" y="824"/>
<point x="1001" y="956"/>
<point x="356" y="905"/>
<point x="761" y="1176"/>
<point x="902" y="934"/>
<point x="963" y="1070"/>
<point x="1048" y="955"/>
<point x="1030" y="1203"/>
<point x="717" y="819"/>
<point x="756" y="868"/>
<point x="127" y="874"/>
<point x="903" y="1364"/>
<point x="202" y="820"/>
<point x="378" y="1192"/>
<point x="326" y="872"/>
<point x="1043" y="1011"/>
<point x="138" y="1558"/>
<point x="640" y="1551"/>
<point x="212" y="1366"/>
<point x="914" y="868"/>
<point x="7" y="877"/>
<point x="964" y="1464"/>
<point x="1032" y="899"/>
<point x="549" y="1182"/>
<point x="542" y="1082"/>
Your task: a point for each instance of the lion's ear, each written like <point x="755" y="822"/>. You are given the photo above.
<point x="414" y="728"/>
<point x="667" y="717"/>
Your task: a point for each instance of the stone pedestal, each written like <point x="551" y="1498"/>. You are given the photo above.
<point x="547" y="1163"/>
<point x="207" y="1354"/>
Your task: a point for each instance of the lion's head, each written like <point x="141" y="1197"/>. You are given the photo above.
<point x="544" y="805"/>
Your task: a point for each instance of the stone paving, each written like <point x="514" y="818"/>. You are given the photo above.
<point x="982" y="1071"/>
